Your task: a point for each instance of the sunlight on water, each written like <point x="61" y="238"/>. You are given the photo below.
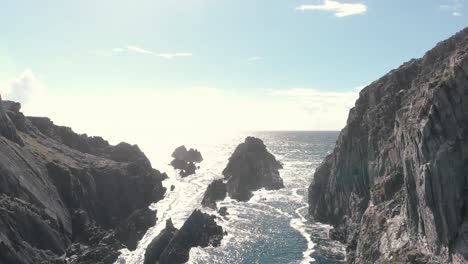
<point x="273" y="226"/>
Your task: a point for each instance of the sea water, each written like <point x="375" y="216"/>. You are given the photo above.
<point x="273" y="227"/>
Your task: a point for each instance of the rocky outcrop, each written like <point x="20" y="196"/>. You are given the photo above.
<point x="216" y="191"/>
<point x="251" y="167"/>
<point x="69" y="197"/>
<point x="184" y="160"/>
<point x="159" y="243"/>
<point x="396" y="185"/>
<point x="173" y="246"/>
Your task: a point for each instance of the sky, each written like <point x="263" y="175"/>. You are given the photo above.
<point x="130" y="70"/>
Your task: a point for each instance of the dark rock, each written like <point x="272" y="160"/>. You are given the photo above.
<point x="67" y="194"/>
<point x="159" y="243"/>
<point x="216" y="191"/>
<point x="132" y="229"/>
<point x="172" y="188"/>
<point x="251" y="167"/>
<point x="395" y="186"/>
<point x="223" y="211"/>
<point x="200" y="230"/>
<point x="185" y="160"/>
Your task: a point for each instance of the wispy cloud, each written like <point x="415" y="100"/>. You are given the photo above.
<point x="453" y="6"/>
<point x="140" y="50"/>
<point x="254" y="58"/>
<point x="340" y="9"/>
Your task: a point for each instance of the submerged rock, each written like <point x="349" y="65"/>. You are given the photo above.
<point x="184" y="160"/>
<point x="395" y="186"/>
<point x="216" y="191"/>
<point x="251" y="167"/>
<point x="173" y="247"/>
<point x="64" y="195"/>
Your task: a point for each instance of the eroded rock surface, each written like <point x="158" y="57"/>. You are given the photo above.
<point x="184" y="160"/>
<point x="173" y="246"/>
<point x="395" y="187"/>
<point x="216" y="191"/>
<point x="69" y="197"/>
<point x="251" y="167"/>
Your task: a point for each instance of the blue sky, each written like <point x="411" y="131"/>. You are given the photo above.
<point x="292" y="53"/>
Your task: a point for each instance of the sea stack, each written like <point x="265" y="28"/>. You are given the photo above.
<point x="395" y="187"/>
<point x="250" y="168"/>
<point x="185" y="160"/>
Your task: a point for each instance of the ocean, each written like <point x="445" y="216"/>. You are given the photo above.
<point x="273" y="227"/>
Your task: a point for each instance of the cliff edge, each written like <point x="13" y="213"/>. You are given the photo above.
<point x="395" y="187"/>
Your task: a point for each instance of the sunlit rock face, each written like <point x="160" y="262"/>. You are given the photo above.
<point x="216" y="191"/>
<point x="69" y="198"/>
<point x="395" y="187"/>
<point x="184" y="160"/>
<point x="173" y="246"/>
<point x="251" y="167"/>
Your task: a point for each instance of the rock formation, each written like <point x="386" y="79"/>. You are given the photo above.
<point x="251" y="167"/>
<point x="216" y="191"/>
<point x="184" y="160"/>
<point x="173" y="246"/>
<point x="70" y="198"/>
<point x="396" y="185"/>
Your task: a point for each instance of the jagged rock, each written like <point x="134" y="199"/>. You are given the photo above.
<point x="223" y="211"/>
<point x="159" y="243"/>
<point x="395" y="186"/>
<point x="59" y="189"/>
<point x="216" y="191"/>
<point x="132" y="229"/>
<point x="251" y="167"/>
<point x="199" y="230"/>
<point x="185" y="160"/>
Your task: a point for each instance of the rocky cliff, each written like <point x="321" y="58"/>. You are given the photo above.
<point x="70" y="198"/>
<point x="396" y="185"/>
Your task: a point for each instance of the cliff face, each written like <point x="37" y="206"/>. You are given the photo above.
<point x="65" y="196"/>
<point x="396" y="185"/>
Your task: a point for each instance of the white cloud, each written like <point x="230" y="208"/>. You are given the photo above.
<point x="137" y="49"/>
<point x="454" y="7"/>
<point x="21" y="89"/>
<point x="173" y="55"/>
<point x="340" y="9"/>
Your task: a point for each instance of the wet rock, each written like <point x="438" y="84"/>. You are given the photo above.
<point x="132" y="229"/>
<point x="216" y="191"/>
<point x="172" y="188"/>
<point x="223" y="211"/>
<point x="395" y="185"/>
<point x="199" y="230"/>
<point x="159" y="243"/>
<point x="251" y="167"/>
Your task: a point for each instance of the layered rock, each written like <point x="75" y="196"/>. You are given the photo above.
<point x="173" y="246"/>
<point x="184" y="160"/>
<point x="216" y="191"/>
<point x="395" y="186"/>
<point x="250" y="168"/>
<point x="64" y="195"/>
